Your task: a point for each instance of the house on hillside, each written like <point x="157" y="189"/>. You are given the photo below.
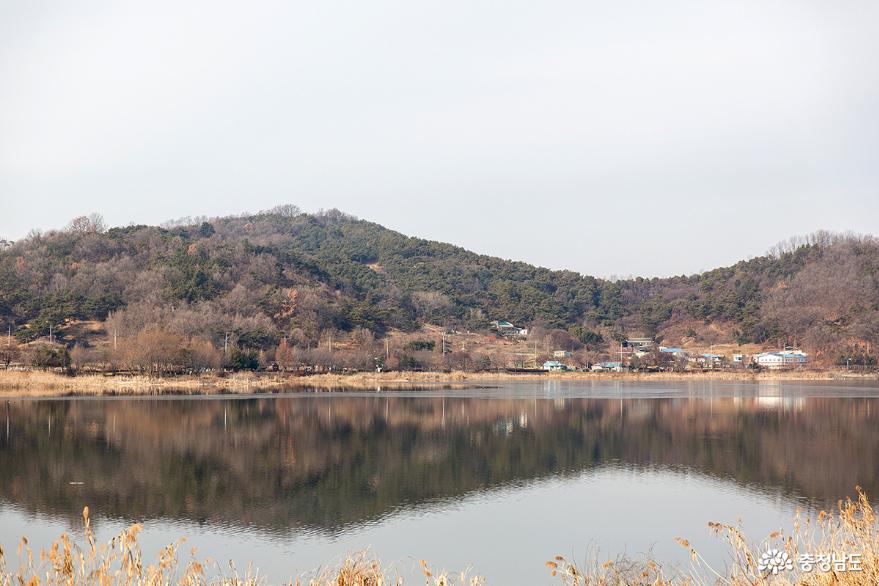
<point x="639" y="343"/>
<point x="561" y="354"/>
<point x="676" y="352"/>
<point x="782" y="360"/>
<point x="508" y="330"/>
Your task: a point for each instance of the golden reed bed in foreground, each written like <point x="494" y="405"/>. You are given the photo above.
<point x="36" y="383"/>
<point x="119" y="562"/>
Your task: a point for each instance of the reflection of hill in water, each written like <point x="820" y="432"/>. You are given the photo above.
<point x="325" y="462"/>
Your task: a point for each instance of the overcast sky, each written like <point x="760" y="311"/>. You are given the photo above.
<point x="617" y="137"/>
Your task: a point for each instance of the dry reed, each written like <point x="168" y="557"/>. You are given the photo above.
<point x="852" y="529"/>
<point x="120" y="563"/>
<point x="23" y="383"/>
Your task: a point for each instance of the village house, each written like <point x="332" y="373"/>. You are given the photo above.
<point x="561" y="354"/>
<point x="709" y="360"/>
<point x="639" y="343"/>
<point x="607" y="366"/>
<point x="554" y="365"/>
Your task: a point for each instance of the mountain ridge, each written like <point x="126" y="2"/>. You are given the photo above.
<point x="285" y="275"/>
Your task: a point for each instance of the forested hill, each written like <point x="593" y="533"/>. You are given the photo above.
<point x="261" y="277"/>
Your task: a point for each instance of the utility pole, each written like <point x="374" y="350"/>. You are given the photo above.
<point x="115" y="347"/>
<point x="387" y="349"/>
<point x="50" y="333"/>
<point x="225" y="343"/>
<point x="9" y="337"/>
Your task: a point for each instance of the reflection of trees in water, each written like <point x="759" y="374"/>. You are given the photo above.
<point x="326" y="462"/>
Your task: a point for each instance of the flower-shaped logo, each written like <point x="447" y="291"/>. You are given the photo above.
<point x="774" y="561"/>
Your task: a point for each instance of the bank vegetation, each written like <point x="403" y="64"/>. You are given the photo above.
<point x="43" y="383"/>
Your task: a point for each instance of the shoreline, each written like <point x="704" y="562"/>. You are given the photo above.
<point x="36" y="383"/>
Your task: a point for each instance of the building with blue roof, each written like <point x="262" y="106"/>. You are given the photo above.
<point x="552" y="365"/>
<point x="707" y="359"/>
<point x="676" y="351"/>
<point x="602" y="366"/>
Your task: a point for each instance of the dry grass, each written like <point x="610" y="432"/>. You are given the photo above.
<point x="119" y="563"/>
<point x="16" y="383"/>
<point x="20" y="383"/>
<point x="851" y="530"/>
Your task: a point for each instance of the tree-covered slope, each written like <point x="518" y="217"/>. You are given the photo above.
<point x="261" y="277"/>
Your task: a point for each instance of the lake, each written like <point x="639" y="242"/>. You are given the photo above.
<point x="497" y="479"/>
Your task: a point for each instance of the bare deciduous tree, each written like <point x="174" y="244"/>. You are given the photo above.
<point x="91" y="224"/>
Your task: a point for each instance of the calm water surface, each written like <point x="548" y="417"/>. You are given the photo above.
<point x="498" y="479"/>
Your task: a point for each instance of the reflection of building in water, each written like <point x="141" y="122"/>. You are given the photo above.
<point x="781" y="402"/>
<point x="769" y="387"/>
<point x="769" y="402"/>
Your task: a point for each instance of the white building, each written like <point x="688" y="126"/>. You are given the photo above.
<point x="784" y="359"/>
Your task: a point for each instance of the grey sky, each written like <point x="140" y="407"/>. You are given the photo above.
<point x="620" y="137"/>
